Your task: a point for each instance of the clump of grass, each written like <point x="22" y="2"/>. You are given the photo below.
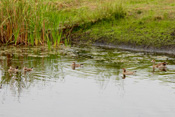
<point x="104" y="11"/>
<point x="90" y="12"/>
<point x="37" y="22"/>
<point x="29" y="22"/>
<point x="96" y="11"/>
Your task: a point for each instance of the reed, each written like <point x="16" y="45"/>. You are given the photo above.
<point x="27" y="22"/>
<point x="40" y="22"/>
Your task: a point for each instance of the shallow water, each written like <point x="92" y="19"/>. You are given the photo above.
<point x="95" y="90"/>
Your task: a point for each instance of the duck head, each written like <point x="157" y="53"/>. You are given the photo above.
<point x="124" y="70"/>
<point x="153" y="61"/>
<point x="164" y="63"/>
<point x="73" y="63"/>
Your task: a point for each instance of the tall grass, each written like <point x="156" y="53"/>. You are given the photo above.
<point x="39" y="22"/>
<point x="29" y="22"/>
<point x="93" y="10"/>
<point x="104" y="11"/>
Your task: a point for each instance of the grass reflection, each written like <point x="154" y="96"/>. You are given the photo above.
<point x="101" y="64"/>
<point x="47" y="67"/>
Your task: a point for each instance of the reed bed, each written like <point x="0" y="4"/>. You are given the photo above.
<point x="40" y="22"/>
<point x="29" y="22"/>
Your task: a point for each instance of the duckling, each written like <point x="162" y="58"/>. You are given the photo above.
<point x="11" y="69"/>
<point x="74" y="65"/>
<point x="163" y="67"/>
<point x="28" y="69"/>
<point x="128" y="72"/>
<point x="160" y="66"/>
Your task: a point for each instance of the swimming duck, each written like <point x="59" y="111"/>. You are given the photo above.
<point x="163" y="67"/>
<point x="28" y="69"/>
<point x="11" y="69"/>
<point x="160" y="66"/>
<point x="74" y="65"/>
<point x="128" y="72"/>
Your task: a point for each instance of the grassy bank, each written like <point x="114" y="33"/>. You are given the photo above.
<point x="137" y="22"/>
<point x="36" y="22"/>
<point x="147" y="23"/>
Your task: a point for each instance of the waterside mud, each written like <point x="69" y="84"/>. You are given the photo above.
<point x="162" y="50"/>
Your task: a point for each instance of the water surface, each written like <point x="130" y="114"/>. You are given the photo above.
<point x="95" y="90"/>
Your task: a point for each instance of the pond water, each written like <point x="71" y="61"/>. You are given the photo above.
<point x="97" y="89"/>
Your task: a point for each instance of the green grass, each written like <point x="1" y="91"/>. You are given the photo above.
<point x="39" y="22"/>
<point x="29" y="22"/>
<point x="147" y="23"/>
<point x="135" y="32"/>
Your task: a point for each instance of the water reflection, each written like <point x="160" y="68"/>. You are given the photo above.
<point x="47" y="66"/>
<point x="99" y="62"/>
<point x="102" y="68"/>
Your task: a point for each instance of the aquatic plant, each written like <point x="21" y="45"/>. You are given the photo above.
<point x="29" y="22"/>
<point x="36" y="22"/>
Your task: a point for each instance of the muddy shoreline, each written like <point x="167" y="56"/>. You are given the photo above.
<point x="107" y="42"/>
<point x="170" y="50"/>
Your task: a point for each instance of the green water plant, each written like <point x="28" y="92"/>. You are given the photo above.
<point x="29" y="22"/>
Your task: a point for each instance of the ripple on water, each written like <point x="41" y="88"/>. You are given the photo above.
<point x="97" y="88"/>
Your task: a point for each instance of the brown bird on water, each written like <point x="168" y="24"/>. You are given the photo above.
<point x="28" y="69"/>
<point x="127" y="72"/>
<point x="74" y="65"/>
<point x="11" y="69"/>
<point x="160" y="66"/>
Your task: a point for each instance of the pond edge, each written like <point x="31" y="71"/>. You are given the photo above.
<point x="163" y="50"/>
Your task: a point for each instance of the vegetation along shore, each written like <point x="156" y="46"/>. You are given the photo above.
<point x="142" y="23"/>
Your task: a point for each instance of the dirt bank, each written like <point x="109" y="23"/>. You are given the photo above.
<point x="163" y="50"/>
